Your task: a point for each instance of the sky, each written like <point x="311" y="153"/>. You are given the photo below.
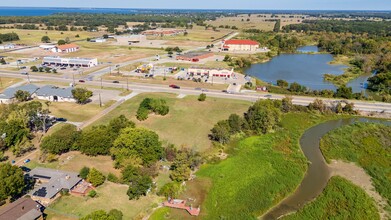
<point x="210" y="4"/>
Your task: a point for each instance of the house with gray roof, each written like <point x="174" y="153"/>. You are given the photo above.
<point x="55" y="94"/>
<point x="8" y="96"/>
<point x="49" y="183"/>
<point x="22" y="209"/>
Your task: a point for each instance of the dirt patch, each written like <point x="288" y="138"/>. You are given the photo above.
<point x="358" y="176"/>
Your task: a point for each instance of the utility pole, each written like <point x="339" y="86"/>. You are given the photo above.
<point x="73" y="77"/>
<point x="100" y="101"/>
<point x="127" y="83"/>
<point x="28" y="77"/>
<point x="101" y="83"/>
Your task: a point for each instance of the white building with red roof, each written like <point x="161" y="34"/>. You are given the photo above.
<point x="66" y="48"/>
<point x="240" y="45"/>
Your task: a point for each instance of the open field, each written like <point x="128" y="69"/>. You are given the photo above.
<point x="109" y="196"/>
<point x="189" y="120"/>
<point x="6" y="82"/>
<point x="255" y="21"/>
<point x="73" y="111"/>
<point x="269" y="168"/>
<point x="341" y="199"/>
<point x="33" y="37"/>
<point x="368" y="145"/>
<point x="196" y="34"/>
<point x="74" y="161"/>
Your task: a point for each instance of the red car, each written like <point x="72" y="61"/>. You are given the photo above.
<point x="82" y="81"/>
<point x="174" y="86"/>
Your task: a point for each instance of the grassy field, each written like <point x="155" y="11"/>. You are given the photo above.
<point x="341" y="199"/>
<point x="368" y="145"/>
<point x="189" y="120"/>
<point x="256" y="21"/>
<point x="259" y="172"/>
<point x="74" y="161"/>
<point x="73" y="111"/>
<point x="6" y="82"/>
<point x="197" y="33"/>
<point x="33" y="37"/>
<point x="160" y="214"/>
<point x="109" y="196"/>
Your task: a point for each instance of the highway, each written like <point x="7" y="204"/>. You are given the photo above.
<point x="369" y="106"/>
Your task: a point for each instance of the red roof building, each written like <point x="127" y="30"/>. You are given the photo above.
<point x="240" y="45"/>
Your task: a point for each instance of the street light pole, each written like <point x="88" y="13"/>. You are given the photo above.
<point x="73" y="77"/>
<point x="28" y="77"/>
<point x="127" y="83"/>
<point x="101" y="83"/>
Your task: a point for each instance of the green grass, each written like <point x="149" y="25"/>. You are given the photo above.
<point x="110" y="196"/>
<point x="188" y="122"/>
<point x="368" y="145"/>
<point x="341" y="199"/>
<point x="160" y="214"/>
<point x="259" y="172"/>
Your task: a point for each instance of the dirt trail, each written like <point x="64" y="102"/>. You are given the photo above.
<point x="358" y="176"/>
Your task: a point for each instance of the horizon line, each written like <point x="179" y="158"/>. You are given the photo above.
<point x="225" y="9"/>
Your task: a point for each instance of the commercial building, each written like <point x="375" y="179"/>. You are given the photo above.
<point x="8" y="96"/>
<point x="49" y="183"/>
<point x="240" y="45"/>
<point x="22" y="209"/>
<point x="7" y="46"/>
<point x="47" y="46"/>
<point x="210" y="72"/>
<point x="66" y="48"/>
<point x="55" y="94"/>
<point x="62" y="61"/>
<point x="194" y="56"/>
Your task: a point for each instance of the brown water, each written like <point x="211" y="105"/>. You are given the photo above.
<point x="318" y="172"/>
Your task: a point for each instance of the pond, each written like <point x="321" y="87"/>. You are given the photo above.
<point x="305" y="69"/>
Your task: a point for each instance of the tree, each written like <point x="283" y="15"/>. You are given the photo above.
<point x="235" y="123"/>
<point x="263" y="116"/>
<point x="84" y="172"/>
<point x="170" y="190"/>
<point x="92" y="193"/>
<point x="296" y="87"/>
<point x="11" y="181"/>
<point x="81" y="95"/>
<point x="277" y="26"/>
<point x="2" y="61"/>
<point x="60" y="141"/>
<point x="282" y="83"/>
<point x="318" y="105"/>
<point x="221" y="132"/>
<point x="96" y="141"/>
<point x="45" y="39"/>
<point x="61" y="42"/>
<point x="286" y="104"/>
<point x="99" y="215"/>
<point x="117" y="214"/>
<point x="129" y="173"/>
<point x="139" y="187"/>
<point x="180" y="173"/>
<point x="95" y="177"/>
<point x="34" y="68"/>
<point x="22" y="96"/>
<point x="138" y="142"/>
<point x="344" y="92"/>
<point x="202" y="97"/>
<point x="117" y="124"/>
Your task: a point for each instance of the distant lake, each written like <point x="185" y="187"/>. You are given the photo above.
<point x="305" y="69"/>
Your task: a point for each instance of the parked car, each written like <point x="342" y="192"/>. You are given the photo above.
<point x="24" y="73"/>
<point x="82" y="81"/>
<point x="268" y="96"/>
<point x="23" y="67"/>
<point x="198" y="89"/>
<point x="115" y="81"/>
<point x="27" y="160"/>
<point x="63" y="68"/>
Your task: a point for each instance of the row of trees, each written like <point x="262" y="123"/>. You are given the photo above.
<point x="264" y="116"/>
<point x="8" y="37"/>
